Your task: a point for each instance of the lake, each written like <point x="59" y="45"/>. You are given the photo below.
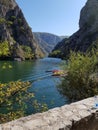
<point x="43" y="85"/>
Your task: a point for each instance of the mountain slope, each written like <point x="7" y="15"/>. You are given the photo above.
<point x="85" y="36"/>
<point x="15" y="30"/>
<point x="47" y="41"/>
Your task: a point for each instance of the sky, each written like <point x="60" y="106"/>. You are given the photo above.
<point x="60" y="17"/>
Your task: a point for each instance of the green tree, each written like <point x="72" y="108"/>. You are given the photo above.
<point x="4" y="49"/>
<point x="28" y="54"/>
<point x="55" y="53"/>
<point x="81" y="81"/>
<point x="13" y="97"/>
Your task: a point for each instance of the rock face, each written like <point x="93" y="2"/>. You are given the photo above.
<point x="15" y="29"/>
<point x="87" y="33"/>
<point x="47" y="41"/>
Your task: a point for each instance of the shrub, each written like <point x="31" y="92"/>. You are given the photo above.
<point x="2" y="20"/>
<point x="9" y="23"/>
<point x="22" y="29"/>
<point x="13" y="17"/>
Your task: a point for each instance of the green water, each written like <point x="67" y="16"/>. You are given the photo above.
<point x="44" y="85"/>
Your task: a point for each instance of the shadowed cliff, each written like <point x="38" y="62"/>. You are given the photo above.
<point x="15" y="30"/>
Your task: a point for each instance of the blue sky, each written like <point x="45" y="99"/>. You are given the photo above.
<point x="60" y="17"/>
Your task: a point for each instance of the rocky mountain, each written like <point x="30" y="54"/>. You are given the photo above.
<point x="87" y="34"/>
<point x="15" y="30"/>
<point x="47" y="41"/>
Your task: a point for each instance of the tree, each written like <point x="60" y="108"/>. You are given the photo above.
<point x="4" y="49"/>
<point x="81" y="81"/>
<point x="28" y="54"/>
<point x="13" y="97"/>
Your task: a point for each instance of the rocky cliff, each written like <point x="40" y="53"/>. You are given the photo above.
<point x="15" y="30"/>
<point x="85" y="36"/>
<point x="47" y="41"/>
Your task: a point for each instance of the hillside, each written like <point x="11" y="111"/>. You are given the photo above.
<point x="85" y="37"/>
<point x="47" y="41"/>
<point x="15" y="34"/>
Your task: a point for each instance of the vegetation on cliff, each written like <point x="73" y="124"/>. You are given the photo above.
<point x="55" y="53"/>
<point x="4" y="49"/>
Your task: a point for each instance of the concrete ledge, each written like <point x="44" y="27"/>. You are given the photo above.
<point x="76" y="116"/>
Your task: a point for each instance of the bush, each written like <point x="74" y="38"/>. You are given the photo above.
<point x="2" y="20"/>
<point x="81" y="81"/>
<point x="9" y="23"/>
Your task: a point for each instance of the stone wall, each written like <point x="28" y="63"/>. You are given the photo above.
<point x="77" y="116"/>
